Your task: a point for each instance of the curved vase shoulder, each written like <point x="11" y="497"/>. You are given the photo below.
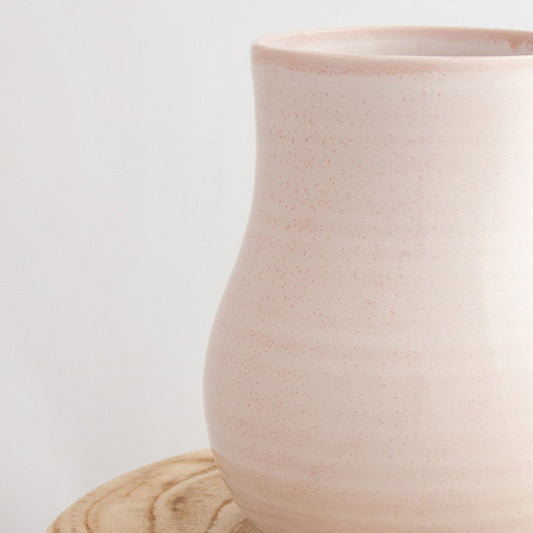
<point x="370" y="368"/>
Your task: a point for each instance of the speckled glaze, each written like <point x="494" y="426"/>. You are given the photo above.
<point x="370" y="368"/>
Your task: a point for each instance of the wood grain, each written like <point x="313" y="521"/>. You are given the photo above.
<point x="182" y="494"/>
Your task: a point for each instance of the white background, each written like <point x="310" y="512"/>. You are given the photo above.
<point x="126" y="173"/>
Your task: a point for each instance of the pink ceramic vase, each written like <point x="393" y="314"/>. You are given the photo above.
<point x="370" y="368"/>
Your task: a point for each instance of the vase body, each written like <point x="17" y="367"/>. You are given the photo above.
<point x="370" y="368"/>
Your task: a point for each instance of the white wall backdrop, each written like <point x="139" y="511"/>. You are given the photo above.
<point x="126" y="173"/>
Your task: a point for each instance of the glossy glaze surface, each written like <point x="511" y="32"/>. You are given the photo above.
<point x="370" y="368"/>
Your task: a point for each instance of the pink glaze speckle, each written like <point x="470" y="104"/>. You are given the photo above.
<point x="370" y="368"/>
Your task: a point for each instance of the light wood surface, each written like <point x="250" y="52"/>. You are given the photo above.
<point x="182" y="494"/>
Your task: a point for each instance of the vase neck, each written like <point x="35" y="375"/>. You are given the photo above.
<point x="438" y="147"/>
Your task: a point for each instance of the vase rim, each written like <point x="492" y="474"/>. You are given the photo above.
<point x="396" y="48"/>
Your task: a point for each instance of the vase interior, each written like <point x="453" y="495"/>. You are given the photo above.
<point x="408" y="41"/>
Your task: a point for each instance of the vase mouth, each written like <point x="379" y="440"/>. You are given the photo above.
<point x="432" y="46"/>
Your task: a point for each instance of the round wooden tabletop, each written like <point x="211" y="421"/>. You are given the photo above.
<point x="183" y="494"/>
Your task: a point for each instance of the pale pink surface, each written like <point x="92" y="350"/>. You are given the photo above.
<point x="371" y="365"/>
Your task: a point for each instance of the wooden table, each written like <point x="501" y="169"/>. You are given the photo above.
<point x="183" y="494"/>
